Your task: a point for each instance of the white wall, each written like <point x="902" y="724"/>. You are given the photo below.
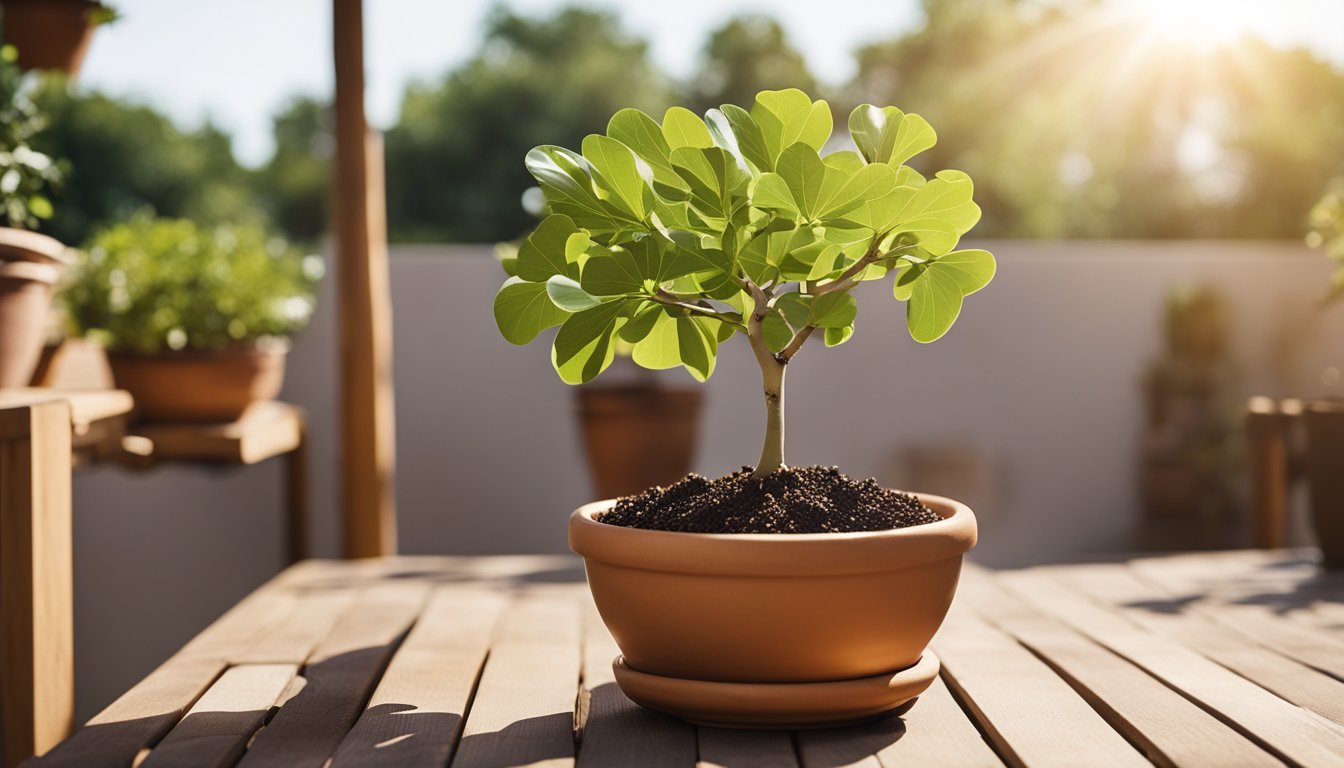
<point x="1040" y="376"/>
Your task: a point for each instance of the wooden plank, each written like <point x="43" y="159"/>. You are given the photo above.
<point x="416" y="713"/>
<point x="1288" y="731"/>
<point x="615" y="731"/>
<point x="265" y="430"/>
<point x="727" y="748"/>
<point x="1168" y="728"/>
<point x="1251" y="619"/>
<point x="1031" y="716"/>
<point x="523" y="713"/>
<point x="297" y="503"/>
<point x="1165" y="614"/>
<point x="36" y="579"/>
<point x="934" y="732"/>
<point x="217" y="728"/>
<point x="339" y="676"/>
<point x="86" y="405"/>
<point x="368" y="448"/>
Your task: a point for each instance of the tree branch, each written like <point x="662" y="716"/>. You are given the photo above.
<point x="667" y="299"/>
<point x="796" y="343"/>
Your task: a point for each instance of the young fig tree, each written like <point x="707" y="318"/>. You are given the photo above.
<point x="675" y="236"/>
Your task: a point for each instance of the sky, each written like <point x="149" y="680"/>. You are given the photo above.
<point x="237" y="62"/>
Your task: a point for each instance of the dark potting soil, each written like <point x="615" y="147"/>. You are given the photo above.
<point x="792" y="500"/>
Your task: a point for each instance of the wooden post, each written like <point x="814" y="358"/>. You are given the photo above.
<point x="36" y="579"/>
<point x="1267" y="433"/>
<point x="358" y="211"/>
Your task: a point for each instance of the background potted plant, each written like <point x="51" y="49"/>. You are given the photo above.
<point x="30" y="262"/>
<point x="53" y="34"/>
<point x="195" y="320"/>
<point x="638" y="431"/>
<point x="1325" y="418"/>
<point x="777" y="596"/>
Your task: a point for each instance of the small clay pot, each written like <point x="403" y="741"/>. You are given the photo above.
<point x="785" y="610"/>
<point x="50" y="34"/>
<point x="25" y="297"/>
<point x="191" y="386"/>
<point x="1325" y="476"/>
<point x="638" y="436"/>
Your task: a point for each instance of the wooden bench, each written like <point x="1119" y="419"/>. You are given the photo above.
<point x="1199" y="660"/>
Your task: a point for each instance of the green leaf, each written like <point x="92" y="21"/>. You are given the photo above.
<point x="523" y="310"/>
<point x="936" y="288"/>
<point x="718" y="185"/>
<point x="772" y="193"/>
<point x="837" y="336"/>
<point x="638" y="266"/>
<point x="787" y="117"/>
<point x="833" y="310"/>
<point x="681" y="128"/>
<point x="821" y="191"/>
<point x="566" y="294"/>
<point x="645" y="138"/>
<point x="545" y="252"/>
<point x="733" y="129"/>
<point x="565" y="178"/>
<point x="617" y="172"/>
<point x="761" y="258"/>
<point x="791" y="312"/>
<point x="940" y="212"/>
<point x="584" y="346"/>
<point x="679" y="340"/>
<point x="887" y="135"/>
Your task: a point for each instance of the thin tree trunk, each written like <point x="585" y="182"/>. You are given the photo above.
<point x="772" y="450"/>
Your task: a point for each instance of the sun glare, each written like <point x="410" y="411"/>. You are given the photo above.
<point x="1199" y="24"/>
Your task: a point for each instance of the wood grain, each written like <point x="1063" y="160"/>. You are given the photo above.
<point x="523" y="713"/>
<point x="338" y="677"/>
<point x="415" y="715"/>
<point x="727" y="748"/>
<point x="36" y="578"/>
<point x="264" y="431"/>
<point x="1030" y="715"/>
<point x="614" y="731"/>
<point x="1286" y="730"/>
<point x="216" y="730"/>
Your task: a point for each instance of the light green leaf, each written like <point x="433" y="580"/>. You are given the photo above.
<point x="837" y="336"/>
<point x="617" y="172"/>
<point x="787" y="117"/>
<point x="940" y="212"/>
<point x="733" y="129"/>
<point x="567" y="294"/>
<point x="681" y="128"/>
<point x="718" y="185"/>
<point x="935" y="290"/>
<point x="679" y="340"/>
<point x="523" y="309"/>
<point x="773" y="193"/>
<point x="887" y="135"/>
<point x="821" y="191"/>
<point x="644" y="136"/>
<point x="545" y="252"/>
<point x="584" y="346"/>
<point x="565" y="178"/>
<point x="833" y="310"/>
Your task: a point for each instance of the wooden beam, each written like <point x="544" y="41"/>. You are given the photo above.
<point x="358" y="221"/>
<point x="36" y="578"/>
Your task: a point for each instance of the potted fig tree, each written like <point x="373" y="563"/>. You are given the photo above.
<point x="30" y="262"/>
<point x="777" y="595"/>
<point x="195" y="319"/>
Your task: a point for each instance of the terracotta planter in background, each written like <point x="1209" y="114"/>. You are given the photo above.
<point x="1325" y="476"/>
<point x="199" y="386"/>
<point x="774" y="630"/>
<point x="25" y="297"/>
<point x="50" y="34"/>
<point x="638" y="436"/>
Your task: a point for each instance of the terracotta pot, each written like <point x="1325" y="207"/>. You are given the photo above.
<point x="199" y="386"/>
<point x="774" y="614"/>
<point x="638" y="436"/>
<point x="25" y="297"/>
<point x="1325" y="476"/>
<point x="50" y="34"/>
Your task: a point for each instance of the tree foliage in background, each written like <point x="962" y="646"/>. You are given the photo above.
<point x="453" y="169"/>
<point x="26" y="175"/>
<point x="123" y="157"/>
<point x="748" y="54"/>
<point x="294" y="187"/>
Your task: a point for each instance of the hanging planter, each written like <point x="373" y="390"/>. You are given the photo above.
<point x="53" y="34"/>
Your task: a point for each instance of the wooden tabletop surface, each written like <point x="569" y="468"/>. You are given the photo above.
<point x="1227" y="659"/>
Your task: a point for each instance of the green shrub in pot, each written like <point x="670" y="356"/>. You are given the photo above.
<point x="176" y="304"/>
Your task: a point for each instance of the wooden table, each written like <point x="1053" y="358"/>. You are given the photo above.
<point x="1200" y="660"/>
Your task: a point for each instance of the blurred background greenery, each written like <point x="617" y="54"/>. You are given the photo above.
<point x="1076" y="122"/>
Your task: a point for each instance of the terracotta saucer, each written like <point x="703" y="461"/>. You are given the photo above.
<point x="778" y="705"/>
